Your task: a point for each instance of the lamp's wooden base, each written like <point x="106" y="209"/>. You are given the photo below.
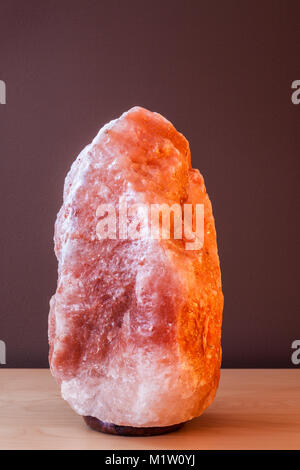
<point x="110" y="428"/>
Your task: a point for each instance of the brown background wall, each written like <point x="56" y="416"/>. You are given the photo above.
<point x="221" y="71"/>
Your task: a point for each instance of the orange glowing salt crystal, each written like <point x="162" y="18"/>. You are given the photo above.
<point x="135" y="324"/>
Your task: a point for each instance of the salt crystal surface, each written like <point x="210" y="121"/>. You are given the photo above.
<point x="135" y="325"/>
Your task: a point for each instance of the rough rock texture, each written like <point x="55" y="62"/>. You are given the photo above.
<point x="135" y="325"/>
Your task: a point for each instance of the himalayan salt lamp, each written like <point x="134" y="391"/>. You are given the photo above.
<point x="135" y="323"/>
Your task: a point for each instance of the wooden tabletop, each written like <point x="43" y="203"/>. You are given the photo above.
<point x="254" y="409"/>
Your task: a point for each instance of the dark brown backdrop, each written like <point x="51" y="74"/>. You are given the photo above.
<point x="221" y="71"/>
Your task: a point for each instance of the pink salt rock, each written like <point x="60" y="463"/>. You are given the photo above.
<point x="135" y="324"/>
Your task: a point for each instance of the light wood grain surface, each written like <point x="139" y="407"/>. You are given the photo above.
<point x="254" y="409"/>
